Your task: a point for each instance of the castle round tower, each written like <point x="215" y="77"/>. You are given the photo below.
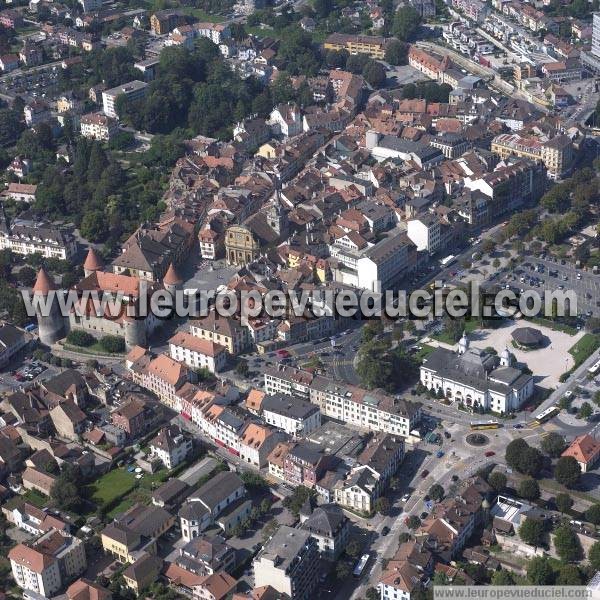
<point x="172" y="281"/>
<point x="51" y="324"/>
<point x="92" y="263"/>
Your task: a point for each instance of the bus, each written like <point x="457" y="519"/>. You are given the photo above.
<point x="486" y="425"/>
<point x="360" y="565"/>
<point x="594" y="368"/>
<point x="546" y="415"/>
<point x="446" y="262"/>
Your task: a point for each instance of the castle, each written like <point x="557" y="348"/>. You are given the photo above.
<point x="118" y="319"/>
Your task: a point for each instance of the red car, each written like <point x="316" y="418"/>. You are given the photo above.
<point x="490" y="453"/>
<point x="424" y="473"/>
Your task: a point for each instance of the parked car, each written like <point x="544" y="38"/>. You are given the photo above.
<point x="385" y="530"/>
<point x="424" y="473"/>
<point x="490" y="453"/>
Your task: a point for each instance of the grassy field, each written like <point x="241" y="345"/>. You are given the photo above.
<point x="112" y="485"/>
<point x="584" y="348"/>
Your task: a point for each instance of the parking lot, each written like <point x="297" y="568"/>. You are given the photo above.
<point x="39" y="83"/>
<point x="552" y="274"/>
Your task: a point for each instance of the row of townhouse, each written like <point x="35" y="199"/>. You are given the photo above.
<point x="373" y="411"/>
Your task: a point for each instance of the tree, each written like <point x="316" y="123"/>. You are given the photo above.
<point x="569" y="575"/>
<point x="27" y="276"/>
<point x="585" y="411"/>
<point x="592" y="514"/>
<point x="564" y="502"/>
<point x="342" y="570"/>
<point x="406" y="22"/>
<point x="373" y="594"/>
<point x="539" y="571"/>
<point x="65" y="490"/>
<point x="112" y="343"/>
<point x="298" y="497"/>
<point x="382" y="505"/>
<point x="396" y="52"/>
<point x="440" y="578"/>
<point x="497" y="480"/>
<point x="567" y="471"/>
<point x="529" y="489"/>
<point x="567" y="544"/>
<point x="80" y="338"/>
<point x="242" y="367"/>
<point x="413" y="522"/>
<point x="502" y="577"/>
<point x="94" y="227"/>
<point x="594" y="556"/>
<point x="323" y="8"/>
<point x="436" y="491"/>
<point x="553" y="444"/>
<point x="374" y="74"/>
<point x="532" y="532"/>
<point x="352" y="548"/>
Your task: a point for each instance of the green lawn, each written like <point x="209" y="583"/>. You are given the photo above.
<point x="584" y="348"/>
<point x="470" y="326"/>
<point x="202" y="15"/>
<point x="424" y="352"/>
<point x="111" y="486"/>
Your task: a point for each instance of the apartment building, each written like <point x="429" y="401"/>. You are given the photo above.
<point x="225" y="331"/>
<point x="48" y="564"/>
<point x="288" y="562"/>
<point x="197" y="352"/>
<point x="133" y="533"/>
<point x="557" y="154"/>
<point x="133" y="90"/>
<point x="294" y="416"/>
<point x="165" y="377"/>
<point x="98" y="126"/>
<point x="425" y="232"/>
<point x="257" y="442"/>
<point x="373" y="46"/>
<point x="29" y="237"/>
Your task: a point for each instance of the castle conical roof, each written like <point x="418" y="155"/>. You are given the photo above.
<point x="43" y="283"/>
<point x="171" y="276"/>
<point x="92" y="261"/>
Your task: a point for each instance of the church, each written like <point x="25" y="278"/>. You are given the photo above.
<point x="477" y="378"/>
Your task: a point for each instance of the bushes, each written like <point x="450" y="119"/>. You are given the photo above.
<point x="80" y="338"/>
<point x="112" y="343"/>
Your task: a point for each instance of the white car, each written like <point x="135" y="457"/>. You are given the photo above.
<point x="405" y="498"/>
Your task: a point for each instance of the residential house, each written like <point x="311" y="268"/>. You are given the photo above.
<point x="585" y="449"/>
<point x="221" y="493"/>
<point x="329" y="526"/>
<point x="171" y="446"/>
